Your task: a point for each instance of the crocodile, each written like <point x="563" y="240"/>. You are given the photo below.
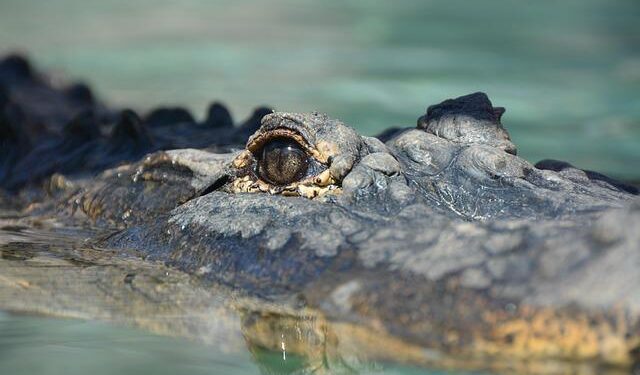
<point x="434" y="244"/>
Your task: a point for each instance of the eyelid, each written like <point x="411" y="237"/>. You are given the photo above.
<point x="256" y="144"/>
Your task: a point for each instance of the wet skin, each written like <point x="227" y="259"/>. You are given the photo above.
<point x="440" y="236"/>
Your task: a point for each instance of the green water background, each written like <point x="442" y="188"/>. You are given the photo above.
<point x="568" y="71"/>
<point x="44" y="346"/>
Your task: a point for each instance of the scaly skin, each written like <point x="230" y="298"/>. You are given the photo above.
<point x="438" y="238"/>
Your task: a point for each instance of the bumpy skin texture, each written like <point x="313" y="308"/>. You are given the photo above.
<point x="440" y="236"/>
<point x="453" y="244"/>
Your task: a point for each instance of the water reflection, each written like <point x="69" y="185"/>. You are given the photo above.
<point x="52" y="273"/>
<point x="45" y="346"/>
<point x="47" y="269"/>
<point x="305" y="344"/>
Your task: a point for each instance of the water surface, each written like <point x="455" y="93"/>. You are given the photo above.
<point x="36" y="345"/>
<point x="127" y="316"/>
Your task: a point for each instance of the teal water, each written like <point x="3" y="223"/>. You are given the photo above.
<point x="567" y="71"/>
<point x="163" y="323"/>
<point x="30" y="345"/>
<point x="37" y="346"/>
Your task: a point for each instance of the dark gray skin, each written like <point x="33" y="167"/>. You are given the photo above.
<point x="440" y="237"/>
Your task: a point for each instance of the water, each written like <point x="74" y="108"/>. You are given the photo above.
<point x="30" y="345"/>
<point x="568" y="72"/>
<point x="37" y="345"/>
<point x="160" y="321"/>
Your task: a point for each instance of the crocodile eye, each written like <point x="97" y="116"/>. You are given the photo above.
<point x="282" y="162"/>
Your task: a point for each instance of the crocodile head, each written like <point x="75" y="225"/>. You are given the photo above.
<point x="441" y="236"/>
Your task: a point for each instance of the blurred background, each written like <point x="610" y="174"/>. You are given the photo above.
<point x="568" y="72"/>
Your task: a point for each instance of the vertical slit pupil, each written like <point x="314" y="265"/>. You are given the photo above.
<point x="282" y="162"/>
